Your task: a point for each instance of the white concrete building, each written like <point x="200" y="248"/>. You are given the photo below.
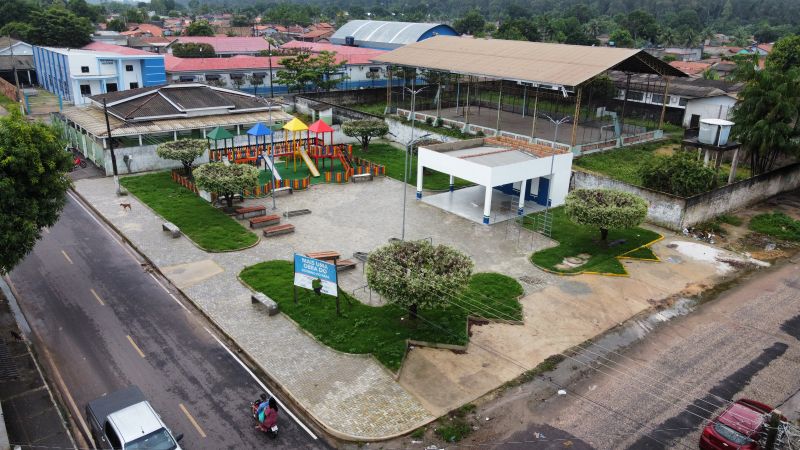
<point x="512" y="176"/>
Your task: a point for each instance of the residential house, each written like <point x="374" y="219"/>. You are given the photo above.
<point x="144" y="30"/>
<point x="691" y="68"/>
<point x="16" y="62"/>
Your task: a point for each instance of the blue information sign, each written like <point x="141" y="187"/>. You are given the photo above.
<point x="307" y="270"/>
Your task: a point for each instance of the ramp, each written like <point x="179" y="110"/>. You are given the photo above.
<point x="271" y="166"/>
<point x="311" y="167"/>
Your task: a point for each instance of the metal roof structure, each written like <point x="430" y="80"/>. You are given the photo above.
<point x="388" y="35"/>
<point x="684" y="87"/>
<point x="527" y="62"/>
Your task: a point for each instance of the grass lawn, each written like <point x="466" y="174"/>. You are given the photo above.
<point x="776" y="224"/>
<point x="575" y="239"/>
<point x="394" y="158"/>
<point x="370" y="108"/>
<point x="381" y="331"/>
<point x="207" y="226"/>
<point x="8" y="103"/>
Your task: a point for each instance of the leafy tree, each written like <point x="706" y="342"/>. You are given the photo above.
<point x="512" y="30"/>
<point x="255" y="82"/>
<point x="116" y="24"/>
<point x="416" y="274"/>
<point x="325" y="70"/>
<point x="621" y="38"/>
<point x="605" y="209"/>
<point x="82" y="9"/>
<point x="679" y="174"/>
<point x="199" y="28"/>
<point x="766" y="33"/>
<point x="641" y="25"/>
<point x="33" y="184"/>
<point x="226" y="180"/>
<point x="135" y="15"/>
<point x="17" y="30"/>
<point x="185" y="151"/>
<point x="472" y="23"/>
<point x="365" y="130"/>
<point x="240" y="21"/>
<point x="193" y="50"/>
<point x="16" y="11"/>
<point x="60" y="28"/>
<point x="785" y="53"/>
<point x="710" y="74"/>
<point x="297" y="73"/>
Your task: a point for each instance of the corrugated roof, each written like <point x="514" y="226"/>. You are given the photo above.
<point x="118" y="49"/>
<point x="379" y="31"/>
<point x="173" y="64"/>
<point x="684" y="87"/>
<point x="533" y="62"/>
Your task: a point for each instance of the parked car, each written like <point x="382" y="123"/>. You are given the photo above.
<point x="740" y="426"/>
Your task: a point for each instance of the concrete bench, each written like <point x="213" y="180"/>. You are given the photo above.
<point x="172" y="229"/>
<point x="272" y="306"/>
<point x="277" y="230"/>
<point x="345" y="264"/>
<point x="297" y="212"/>
<point x="362" y="177"/>
<point x="252" y="211"/>
<point x="282" y="190"/>
<point x="263" y="221"/>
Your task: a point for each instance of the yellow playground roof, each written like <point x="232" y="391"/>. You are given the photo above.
<point x="295" y="125"/>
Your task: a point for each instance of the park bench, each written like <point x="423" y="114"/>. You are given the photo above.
<point x="277" y="230"/>
<point x="272" y="306"/>
<point x="324" y="256"/>
<point x="172" y="229"/>
<point x="345" y="264"/>
<point x="251" y="211"/>
<point x="282" y="190"/>
<point x="297" y="212"/>
<point x="263" y="221"/>
<point x="362" y="177"/>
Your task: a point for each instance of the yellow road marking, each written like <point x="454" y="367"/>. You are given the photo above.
<point x="141" y="353"/>
<point x="66" y="256"/>
<point x="100" y="300"/>
<point x="191" y="419"/>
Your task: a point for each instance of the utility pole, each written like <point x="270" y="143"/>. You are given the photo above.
<point x="111" y="148"/>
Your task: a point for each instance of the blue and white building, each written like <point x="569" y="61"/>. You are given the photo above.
<point x="76" y="74"/>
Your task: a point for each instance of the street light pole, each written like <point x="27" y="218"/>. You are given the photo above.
<point x="409" y="146"/>
<point x="272" y="150"/>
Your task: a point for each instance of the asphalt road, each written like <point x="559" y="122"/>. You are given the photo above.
<point x="661" y="391"/>
<point x="105" y="322"/>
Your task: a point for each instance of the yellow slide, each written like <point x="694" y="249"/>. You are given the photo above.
<point x="311" y="167"/>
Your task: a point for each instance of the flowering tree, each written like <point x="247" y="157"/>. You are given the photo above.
<point x="365" y="130"/>
<point x="605" y="209"/>
<point x="226" y="180"/>
<point x="414" y="274"/>
<point x="185" y="151"/>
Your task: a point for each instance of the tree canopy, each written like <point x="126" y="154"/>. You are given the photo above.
<point x="60" y="28"/>
<point x="185" y="151"/>
<point x="226" y="180"/>
<point x="321" y="72"/>
<point x="193" y="50"/>
<point x="365" y="130"/>
<point x="33" y="184"/>
<point x="679" y="174"/>
<point x="199" y="28"/>
<point x="605" y="209"/>
<point x="416" y="274"/>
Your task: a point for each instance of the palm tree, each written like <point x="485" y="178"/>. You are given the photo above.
<point x="668" y="37"/>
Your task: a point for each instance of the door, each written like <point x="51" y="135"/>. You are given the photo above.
<point x="694" y="122"/>
<point x="544" y="191"/>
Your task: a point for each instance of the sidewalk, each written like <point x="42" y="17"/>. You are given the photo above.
<point x="352" y="396"/>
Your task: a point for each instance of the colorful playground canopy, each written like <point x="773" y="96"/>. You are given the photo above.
<point x="295" y="125"/>
<point x="259" y="129"/>
<point x="219" y="133"/>
<point x="320" y="127"/>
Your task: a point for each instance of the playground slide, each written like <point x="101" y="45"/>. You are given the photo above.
<point x="311" y="167"/>
<point x="272" y="168"/>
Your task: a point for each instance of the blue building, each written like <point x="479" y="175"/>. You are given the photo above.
<point x="385" y="35"/>
<point x="76" y="74"/>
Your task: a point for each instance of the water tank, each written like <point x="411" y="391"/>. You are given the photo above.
<point x="714" y="131"/>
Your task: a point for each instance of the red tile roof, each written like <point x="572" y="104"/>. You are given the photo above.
<point x="316" y="33"/>
<point x="242" y="62"/>
<point x="690" y="67"/>
<point x="111" y="48"/>
<point x="229" y="44"/>
<point x="144" y="28"/>
<point x="766" y="47"/>
<point x="353" y="55"/>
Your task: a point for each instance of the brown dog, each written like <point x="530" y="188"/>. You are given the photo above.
<point x="125" y="206"/>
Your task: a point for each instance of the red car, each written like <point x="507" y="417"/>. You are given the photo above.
<point x="740" y="426"/>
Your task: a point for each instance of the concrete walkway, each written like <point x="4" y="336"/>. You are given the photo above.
<point x="352" y="396"/>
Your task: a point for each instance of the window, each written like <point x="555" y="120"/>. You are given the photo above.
<point x="186" y="78"/>
<point x="86" y="89"/>
<point x="212" y="77"/>
<point x="636" y="96"/>
<point x="111" y="87"/>
<point x="134" y="85"/>
<point x="683" y="101"/>
<point x="111" y="435"/>
<point x="260" y="75"/>
<point x="128" y="67"/>
<point x="84" y="69"/>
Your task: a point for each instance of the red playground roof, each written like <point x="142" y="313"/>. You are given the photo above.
<point x="320" y="127"/>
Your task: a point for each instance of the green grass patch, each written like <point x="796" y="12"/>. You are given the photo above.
<point x="381" y="331"/>
<point x="621" y="163"/>
<point x="394" y="158"/>
<point x="576" y="239"/>
<point x="8" y="103"/>
<point x="641" y="253"/>
<point x="207" y="226"/>
<point x="453" y="429"/>
<point x="377" y="109"/>
<point x="776" y="224"/>
<point x="730" y="219"/>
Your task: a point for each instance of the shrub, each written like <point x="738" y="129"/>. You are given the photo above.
<point x="226" y="180"/>
<point x="439" y="122"/>
<point x="429" y="120"/>
<point x="185" y="151"/>
<point x="679" y="174"/>
<point x="365" y="130"/>
<point x="776" y="224"/>
<point x="605" y="209"/>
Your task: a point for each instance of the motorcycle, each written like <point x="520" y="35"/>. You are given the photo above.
<point x="273" y="431"/>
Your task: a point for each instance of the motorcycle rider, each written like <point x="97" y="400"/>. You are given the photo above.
<point x="270" y="416"/>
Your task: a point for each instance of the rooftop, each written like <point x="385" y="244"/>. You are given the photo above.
<point x="530" y="62"/>
<point x="229" y="44"/>
<point x="173" y="64"/>
<point x="684" y="87"/>
<point x="116" y="49"/>
<point x="495" y="151"/>
<point x="690" y="67"/>
<point x="388" y="34"/>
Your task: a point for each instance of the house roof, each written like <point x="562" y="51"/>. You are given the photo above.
<point x="173" y="64"/>
<point x="145" y="28"/>
<point x="765" y="47"/>
<point x="684" y="87"/>
<point x="149" y="41"/>
<point x="316" y="33"/>
<point x="352" y="55"/>
<point x="229" y="44"/>
<point x="390" y="34"/>
<point x="111" y="48"/>
<point x="531" y="62"/>
<point x="176" y="101"/>
<point x="690" y="67"/>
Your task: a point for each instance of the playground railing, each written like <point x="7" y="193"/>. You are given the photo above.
<point x="250" y="152"/>
<point x="262" y="190"/>
<point x="366" y="166"/>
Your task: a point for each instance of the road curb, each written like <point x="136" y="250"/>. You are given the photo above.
<point x="280" y="387"/>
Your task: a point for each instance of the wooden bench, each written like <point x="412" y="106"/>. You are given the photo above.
<point x="251" y="211"/>
<point x="345" y="264"/>
<point x="172" y="229"/>
<point x="362" y="177"/>
<point x="282" y="190"/>
<point x="263" y="221"/>
<point x="297" y="212"/>
<point x="324" y="256"/>
<point x="272" y="306"/>
<point x="277" y="230"/>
